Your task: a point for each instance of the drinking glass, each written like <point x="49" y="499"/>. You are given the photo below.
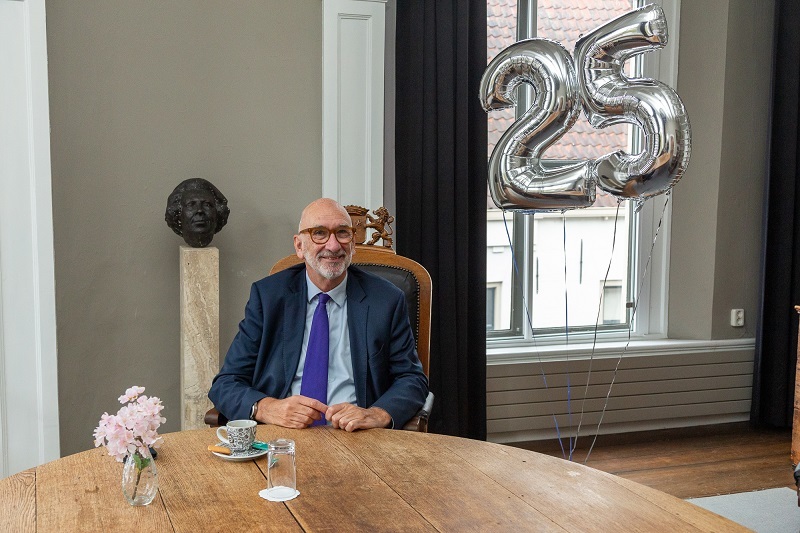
<point x="282" y="472"/>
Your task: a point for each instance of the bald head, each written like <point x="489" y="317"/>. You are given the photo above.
<point x="323" y="209"/>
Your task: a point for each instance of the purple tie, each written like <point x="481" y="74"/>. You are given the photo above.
<point x="315" y="370"/>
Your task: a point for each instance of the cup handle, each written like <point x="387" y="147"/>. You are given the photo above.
<point x="220" y="437"/>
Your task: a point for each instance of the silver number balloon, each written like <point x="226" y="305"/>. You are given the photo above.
<point x="609" y="97"/>
<point x="517" y="179"/>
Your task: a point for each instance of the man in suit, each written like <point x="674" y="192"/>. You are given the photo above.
<point x="374" y="377"/>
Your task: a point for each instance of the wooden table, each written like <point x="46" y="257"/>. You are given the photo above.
<point x="377" y="480"/>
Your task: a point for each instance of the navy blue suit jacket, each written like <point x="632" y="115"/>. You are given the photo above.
<point x="263" y="358"/>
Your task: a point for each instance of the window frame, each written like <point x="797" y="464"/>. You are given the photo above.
<point x="650" y="319"/>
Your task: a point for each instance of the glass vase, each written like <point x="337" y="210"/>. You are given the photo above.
<point x="139" y="478"/>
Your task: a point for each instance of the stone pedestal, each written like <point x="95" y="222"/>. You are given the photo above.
<point x="199" y="331"/>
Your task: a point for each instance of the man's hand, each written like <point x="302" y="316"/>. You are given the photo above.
<point x="292" y="412"/>
<point x="350" y="417"/>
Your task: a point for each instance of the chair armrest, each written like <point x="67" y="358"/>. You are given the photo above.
<point x="214" y="418"/>
<point x="420" y="421"/>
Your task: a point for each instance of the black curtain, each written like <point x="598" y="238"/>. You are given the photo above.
<point x="776" y="339"/>
<point x="441" y="166"/>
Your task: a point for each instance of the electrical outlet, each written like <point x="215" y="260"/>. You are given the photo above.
<point x="737" y="318"/>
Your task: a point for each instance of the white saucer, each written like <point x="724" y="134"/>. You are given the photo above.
<point x="247" y="455"/>
<point x="282" y="494"/>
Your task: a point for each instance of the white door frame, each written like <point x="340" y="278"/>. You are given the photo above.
<point x="29" y="432"/>
<point x="353" y="49"/>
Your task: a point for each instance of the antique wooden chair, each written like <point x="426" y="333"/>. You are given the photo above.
<point x="408" y="275"/>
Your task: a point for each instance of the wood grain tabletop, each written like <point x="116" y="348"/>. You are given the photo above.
<point x="376" y="480"/>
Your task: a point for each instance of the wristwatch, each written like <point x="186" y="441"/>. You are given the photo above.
<point x="253" y="411"/>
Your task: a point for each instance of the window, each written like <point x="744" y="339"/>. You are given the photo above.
<point x="613" y="305"/>
<point x="550" y="265"/>
<point x="492" y="309"/>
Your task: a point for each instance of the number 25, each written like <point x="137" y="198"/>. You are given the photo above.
<point x="517" y="178"/>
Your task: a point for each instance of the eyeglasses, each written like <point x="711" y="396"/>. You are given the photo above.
<point x="320" y="234"/>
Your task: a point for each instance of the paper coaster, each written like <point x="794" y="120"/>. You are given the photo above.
<point x="279" y="494"/>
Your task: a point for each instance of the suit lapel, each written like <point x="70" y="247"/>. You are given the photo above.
<point x="357" y="312"/>
<point x="294" y="324"/>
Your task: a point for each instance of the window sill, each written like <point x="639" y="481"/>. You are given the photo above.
<point x="508" y="352"/>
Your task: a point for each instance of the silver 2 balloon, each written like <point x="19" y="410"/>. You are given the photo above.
<point x="518" y="180"/>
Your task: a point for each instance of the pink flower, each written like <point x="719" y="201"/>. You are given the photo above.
<point x="131" y="394"/>
<point x="134" y="427"/>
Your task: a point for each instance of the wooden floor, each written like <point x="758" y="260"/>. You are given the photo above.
<point x="690" y="463"/>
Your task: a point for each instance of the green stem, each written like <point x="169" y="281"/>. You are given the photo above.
<point x="136" y="486"/>
<point x="141" y="464"/>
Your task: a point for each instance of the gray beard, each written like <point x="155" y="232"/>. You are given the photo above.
<point x="324" y="270"/>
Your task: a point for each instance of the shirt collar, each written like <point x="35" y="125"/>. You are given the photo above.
<point x="338" y="294"/>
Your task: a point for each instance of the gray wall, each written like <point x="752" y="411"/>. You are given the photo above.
<point x="724" y="81"/>
<point x="142" y="96"/>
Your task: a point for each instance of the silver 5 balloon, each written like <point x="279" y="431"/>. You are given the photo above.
<point x="518" y="180"/>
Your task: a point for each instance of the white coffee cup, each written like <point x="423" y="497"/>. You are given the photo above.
<point x="240" y="434"/>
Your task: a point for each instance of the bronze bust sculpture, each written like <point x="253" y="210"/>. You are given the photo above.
<point x="196" y="210"/>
